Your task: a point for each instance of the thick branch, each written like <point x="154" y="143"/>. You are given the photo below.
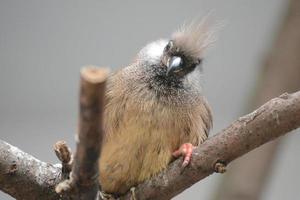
<point x="270" y="121"/>
<point x="24" y="177"/>
<point x="83" y="181"/>
<point x="280" y="73"/>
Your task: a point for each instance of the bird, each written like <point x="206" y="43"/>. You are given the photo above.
<point x="155" y="109"/>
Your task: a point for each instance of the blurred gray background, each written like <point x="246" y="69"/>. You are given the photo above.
<point x="43" y="44"/>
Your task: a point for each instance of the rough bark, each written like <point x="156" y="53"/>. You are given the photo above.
<point x="280" y="74"/>
<point x="24" y="177"/>
<point x="83" y="182"/>
<point x="270" y="121"/>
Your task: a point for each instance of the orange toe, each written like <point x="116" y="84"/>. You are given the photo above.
<point x="186" y="151"/>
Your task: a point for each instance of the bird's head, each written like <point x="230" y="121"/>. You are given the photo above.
<point x="178" y="60"/>
<point x="182" y="53"/>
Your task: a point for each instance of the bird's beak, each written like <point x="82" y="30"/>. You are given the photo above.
<point x="174" y="65"/>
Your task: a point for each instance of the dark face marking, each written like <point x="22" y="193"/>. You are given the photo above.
<point x="178" y="62"/>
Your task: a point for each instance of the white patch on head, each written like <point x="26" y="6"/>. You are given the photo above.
<point x="153" y="51"/>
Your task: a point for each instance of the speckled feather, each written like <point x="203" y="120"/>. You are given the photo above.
<point x="147" y="117"/>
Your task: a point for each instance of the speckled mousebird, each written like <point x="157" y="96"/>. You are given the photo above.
<point x="155" y="110"/>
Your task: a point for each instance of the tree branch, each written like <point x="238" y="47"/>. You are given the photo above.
<point x="270" y="121"/>
<point x="64" y="154"/>
<point x="24" y="177"/>
<point x="279" y="73"/>
<point x="83" y="182"/>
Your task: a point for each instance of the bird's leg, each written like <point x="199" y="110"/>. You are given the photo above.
<point x="186" y="151"/>
<point x="106" y="196"/>
<point x="132" y="190"/>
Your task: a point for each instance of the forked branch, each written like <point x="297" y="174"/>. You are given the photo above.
<point x="17" y="169"/>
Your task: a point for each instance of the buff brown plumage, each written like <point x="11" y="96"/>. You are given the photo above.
<point x="153" y="107"/>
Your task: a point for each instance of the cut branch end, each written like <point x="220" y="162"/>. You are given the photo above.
<point x="93" y="74"/>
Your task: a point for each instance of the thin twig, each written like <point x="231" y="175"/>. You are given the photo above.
<point x="64" y="154"/>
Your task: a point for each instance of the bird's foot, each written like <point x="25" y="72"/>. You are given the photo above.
<point x="106" y="196"/>
<point x="186" y="151"/>
<point x="132" y="190"/>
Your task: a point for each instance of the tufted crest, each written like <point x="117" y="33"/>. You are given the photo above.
<point x="195" y="37"/>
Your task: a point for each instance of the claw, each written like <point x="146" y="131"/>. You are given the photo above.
<point x="105" y="196"/>
<point x="132" y="190"/>
<point x="186" y="151"/>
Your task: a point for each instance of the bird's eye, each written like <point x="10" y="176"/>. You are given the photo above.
<point x="199" y="61"/>
<point x="169" y="45"/>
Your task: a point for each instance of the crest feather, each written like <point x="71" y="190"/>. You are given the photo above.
<point x="194" y="38"/>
